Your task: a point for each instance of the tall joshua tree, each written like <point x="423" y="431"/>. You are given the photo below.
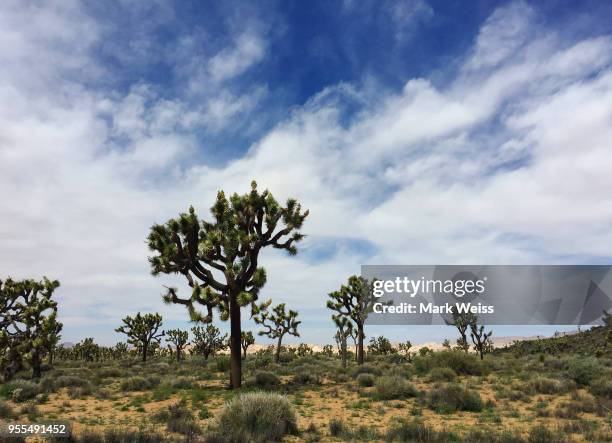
<point x="179" y="339"/>
<point x="463" y="322"/>
<point x="142" y="331"/>
<point x="481" y="339"/>
<point x="28" y="320"/>
<point x="208" y="341"/>
<point x="354" y="301"/>
<point x="345" y="330"/>
<point x="276" y="323"/>
<point x="219" y="259"/>
<point x="246" y="340"/>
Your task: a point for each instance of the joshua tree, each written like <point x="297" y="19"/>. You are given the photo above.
<point x="28" y="323"/>
<point x="380" y="346"/>
<point x="87" y="350"/>
<point x="276" y="323"/>
<point x="462" y="322"/>
<point x="208" y="341"/>
<point x="404" y="348"/>
<point x="246" y="340"/>
<point x="354" y="300"/>
<point x="219" y="259"/>
<point x="179" y="339"/>
<point x="482" y="340"/>
<point x="120" y="350"/>
<point x="345" y="330"/>
<point x="142" y="331"/>
<point x="328" y="351"/>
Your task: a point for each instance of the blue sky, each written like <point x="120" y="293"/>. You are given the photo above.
<point x="416" y="132"/>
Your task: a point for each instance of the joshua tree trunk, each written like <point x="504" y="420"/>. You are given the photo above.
<point x="36" y="362"/>
<point x="178" y="354"/>
<point x="235" y="355"/>
<point x="343" y="350"/>
<point x="278" y="348"/>
<point x="144" y="352"/>
<point x="360" y="336"/>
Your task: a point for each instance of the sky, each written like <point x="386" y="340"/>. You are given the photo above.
<point x="415" y="132"/>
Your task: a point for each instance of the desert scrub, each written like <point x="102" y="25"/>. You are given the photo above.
<point x="306" y="378"/>
<point x="441" y="374"/>
<point x="182" y="383"/>
<point x="138" y="383"/>
<point x="257" y="417"/>
<point x="460" y="362"/>
<point x="178" y="418"/>
<point x="20" y="390"/>
<point x="416" y="431"/>
<point x="583" y="370"/>
<point x="543" y="385"/>
<point x="337" y="427"/>
<point x="365" y="380"/>
<point x="64" y="381"/>
<point x="602" y="387"/>
<point x="453" y="397"/>
<point x="365" y="369"/>
<point x="393" y="388"/>
<point x="264" y="379"/>
<point x="109" y="372"/>
<point x="6" y="411"/>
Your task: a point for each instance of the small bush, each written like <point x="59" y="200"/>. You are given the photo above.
<point x="602" y="387"/>
<point x="182" y="383"/>
<point x="222" y="363"/>
<point x="458" y="361"/>
<point x="416" y="431"/>
<point x="541" y="434"/>
<point x="365" y="380"/>
<point x="393" y="388"/>
<point x="452" y="397"/>
<point x="110" y="372"/>
<point x="6" y="412"/>
<point x="20" y="390"/>
<point x="336" y="427"/>
<point x="442" y="374"/>
<point x="64" y="381"/>
<point x="264" y="379"/>
<point x="306" y="378"/>
<point x="543" y="385"/>
<point x="583" y="370"/>
<point x="258" y="417"/>
<point x="136" y="383"/>
<point x="366" y="369"/>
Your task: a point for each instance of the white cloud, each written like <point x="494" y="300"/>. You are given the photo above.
<point x="509" y="163"/>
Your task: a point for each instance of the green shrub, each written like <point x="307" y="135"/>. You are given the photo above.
<point x="306" y="378"/>
<point x="602" y="387"/>
<point x="257" y="417"/>
<point x="336" y="427"/>
<point x="453" y="397"/>
<point x="543" y="385"/>
<point x="365" y="380"/>
<point x="458" y="361"/>
<point x="222" y="363"/>
<point x="20" y="390"/>
<point x="393" y="388"/>
<point x="264" y="379"/>
<point x="441" y="374"/>
<point x="79" y="391"/>
<point x="541" y="434"/>
<point x="182" y="383"/>
<point x="6" y="412"/>
<point x="416" y="431"/>
<point x="136" y="383"/>
<point x="110" y="372"/>
<point x="365" y="369"/>
<point x="64" y="381"/>
<point x="583" y="370"/>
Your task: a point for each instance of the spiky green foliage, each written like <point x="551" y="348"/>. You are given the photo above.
<point x="142" y="331"/>
<point x="354" y="301"/>
<point x="87" y="350"/>
<point x="276" y="323"/>
<point x="29" y="329"/>
<point x="208" y="341"/>
<point x="380" y="346"/>
<point x="219" y="259"/>
<point x="462" y="322"/>
<point x="481" y="339"/>
<point x="120" y="350"/>
<point x="404" y="348"/>
<point x="179" y="339"/>
<point x="345" y="330"/>
<point x="246" y="340"/>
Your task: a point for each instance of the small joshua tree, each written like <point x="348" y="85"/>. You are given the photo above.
<point x="142" y="331"/>
<point x="345" y="330"/>
<point x="276" y="323"/>
<point x="246" y="340"/>
<point x="208" y="341"/>
<point x="87" y="350"/>
<point x="462" y="321"/>
<point x="220" y="259"/>
<point x="482" y="340"/>
<point x="354" y="300"/>
<point x="380" y="346"/>
<point x="179" y="339"/>
<point x="328" y="351"/>
<point x="28" y="323"/>
<point x="120" y="350"/>
<point x="404" y="348"/>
